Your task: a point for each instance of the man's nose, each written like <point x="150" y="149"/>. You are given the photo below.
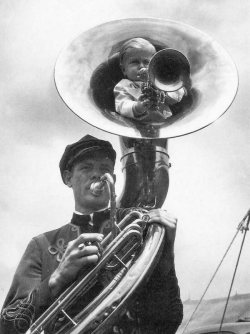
<point x="97" y="173"/>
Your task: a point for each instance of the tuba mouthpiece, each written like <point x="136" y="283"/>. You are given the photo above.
<point x="97" y="187"/>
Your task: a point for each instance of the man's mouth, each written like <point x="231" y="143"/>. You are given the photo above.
<point x="97" y="192"/>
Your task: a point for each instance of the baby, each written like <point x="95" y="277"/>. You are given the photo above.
<point x="135" y="55"/>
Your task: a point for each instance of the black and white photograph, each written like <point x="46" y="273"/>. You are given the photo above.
<point x="125" y="167"/>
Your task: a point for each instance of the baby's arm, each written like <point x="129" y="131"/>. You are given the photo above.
<point x="141" y="107"/>
<point x="127" y="105"/>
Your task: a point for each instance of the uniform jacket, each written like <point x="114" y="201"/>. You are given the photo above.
<point x="29" y="295"/>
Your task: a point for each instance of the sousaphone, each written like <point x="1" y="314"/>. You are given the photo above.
<point x="85" y="74"/>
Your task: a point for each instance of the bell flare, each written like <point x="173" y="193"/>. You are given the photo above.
<point x="88" y="68"/>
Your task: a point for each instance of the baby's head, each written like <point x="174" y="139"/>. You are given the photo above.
<point x="135" y="54"/>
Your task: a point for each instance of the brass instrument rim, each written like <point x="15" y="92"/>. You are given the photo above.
<point x="156" y="149"/>
<point x="213" y="73"/>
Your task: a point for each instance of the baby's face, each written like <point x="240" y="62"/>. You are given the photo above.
<point x="134" y="60"/>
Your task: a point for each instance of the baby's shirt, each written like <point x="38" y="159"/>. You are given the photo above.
<point x="127" y="93"/>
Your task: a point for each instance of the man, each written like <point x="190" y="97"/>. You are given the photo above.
<point x="53" y="260"/>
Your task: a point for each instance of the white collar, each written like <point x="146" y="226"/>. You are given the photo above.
<point x="82" y="214"/>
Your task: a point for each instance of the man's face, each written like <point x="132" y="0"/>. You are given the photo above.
<point x="82" y="175"/>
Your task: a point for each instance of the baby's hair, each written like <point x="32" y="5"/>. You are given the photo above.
<point x="134" y="43"/>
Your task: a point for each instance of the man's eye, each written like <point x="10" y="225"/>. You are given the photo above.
<point x="86" y="167"/>
<point x="106" y="170"/>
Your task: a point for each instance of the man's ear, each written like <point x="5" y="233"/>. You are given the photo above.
<point x="67" y="178"/>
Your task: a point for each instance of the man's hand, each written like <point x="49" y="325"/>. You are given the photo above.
<point x="78" y="254"/>
<point x="168" y="221"/>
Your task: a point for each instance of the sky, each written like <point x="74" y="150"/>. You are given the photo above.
<point x="210" y="174"/>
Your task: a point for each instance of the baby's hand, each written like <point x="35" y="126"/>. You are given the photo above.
<point x="147" y="103"/>
<point x="140" y="108"/>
